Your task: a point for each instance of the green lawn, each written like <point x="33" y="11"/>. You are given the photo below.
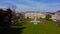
<point x="44" y="28"/>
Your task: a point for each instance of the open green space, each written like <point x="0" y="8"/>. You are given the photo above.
<point x="44" y="28"/>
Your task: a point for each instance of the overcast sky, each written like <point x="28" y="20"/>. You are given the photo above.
<point x="32" y="5"/>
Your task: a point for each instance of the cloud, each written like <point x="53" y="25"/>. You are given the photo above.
<point x="22" y="7"/>
<point x="34" y="6"/>
<point x="31" y="5"/>
<point x="38" y="6"/>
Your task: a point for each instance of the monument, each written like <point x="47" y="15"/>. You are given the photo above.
<point x="35" y="20"/>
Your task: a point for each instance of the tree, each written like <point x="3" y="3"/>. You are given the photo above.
<point x="5" y="18"/>
<point x="13" y="7"/>
<point x="5" y="22"/>
<point x="18" y="18"/>
<point x="21" y="15"/>
<point x="40" y="18"/>
<point x="48" y="16"/>
<point x="21" y="19"/>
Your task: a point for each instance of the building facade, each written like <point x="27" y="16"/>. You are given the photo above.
<point x="35" y="14"/>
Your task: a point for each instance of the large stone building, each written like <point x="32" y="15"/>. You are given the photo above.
<point x="32" y="14"/>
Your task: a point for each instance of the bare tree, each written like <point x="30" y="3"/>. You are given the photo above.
<point x="13" y="7"/>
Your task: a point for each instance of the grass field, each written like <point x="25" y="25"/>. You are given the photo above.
<point x="44" y="28"/>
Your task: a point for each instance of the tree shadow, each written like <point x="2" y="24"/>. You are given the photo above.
<point x="11" y="30"/>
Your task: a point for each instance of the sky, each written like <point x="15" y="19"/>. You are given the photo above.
<point x="32" y="5"/>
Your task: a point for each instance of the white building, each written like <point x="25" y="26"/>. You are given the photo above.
<point x="37" y="14"/>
